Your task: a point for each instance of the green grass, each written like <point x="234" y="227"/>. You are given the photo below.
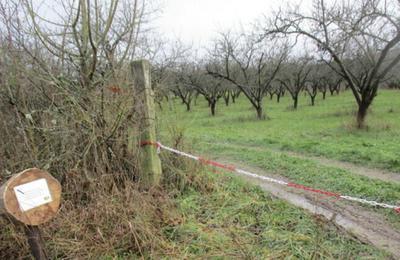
<point x="326" y="130"/>
<point x="310" y="173"/>
<point x="240" y="221"/>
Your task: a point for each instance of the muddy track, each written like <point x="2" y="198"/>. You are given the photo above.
<point x="367" y="226"/>
<point x="371" y="173"/>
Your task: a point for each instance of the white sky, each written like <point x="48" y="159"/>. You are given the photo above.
<point x="197" y="21"/>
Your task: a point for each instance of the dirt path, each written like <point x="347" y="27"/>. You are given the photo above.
<point x="368" y="227"/>
<point x="372" y="173"/>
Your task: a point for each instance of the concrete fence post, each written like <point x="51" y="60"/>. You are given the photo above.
<point x="150" y="164"/>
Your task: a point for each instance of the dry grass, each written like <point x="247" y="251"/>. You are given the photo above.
<point x="101" y="218"/>
<point x="109" y="216"/>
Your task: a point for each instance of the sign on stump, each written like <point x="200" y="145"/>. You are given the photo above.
<point x="31" y="197"/>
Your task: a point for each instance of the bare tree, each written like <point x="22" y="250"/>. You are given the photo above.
<point x="312" y="90"/>
<point x="226" y="95"/>
<point x="280" y="92"/>
<point x="165" y="56"/>
<point x="249" y="64"/>
<point x="294" y="77"/>
<point x="72" y="81"/>
<point x="91" y="36"/>
<point x="317" y="80"/>
<point x="211" y="88"/>
<point x="234" y="92"/>
<point x="181" y="84"/>
<point x="358" y="36"/>
<point x="334" y="84"/>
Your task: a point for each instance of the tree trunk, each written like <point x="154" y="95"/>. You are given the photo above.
<point x="187" y="106"/>
<point x="226" y="100"/>
<point x="323" y="95"/>
<point x="278" y="97"/>
<point x="159" y="105"/>
<point x="271" y="95"/>
<point x="259" y="112"/>
<point x="233" y="99"/>
<point x="362" y="113"/>
<point x="213" y="103"/>
<point x="295" y="101"/>
<point x="312" y="100"/>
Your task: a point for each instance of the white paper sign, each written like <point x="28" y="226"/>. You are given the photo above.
<point x="32" y="194"/>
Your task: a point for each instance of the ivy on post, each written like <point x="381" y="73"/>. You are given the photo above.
<point x="150" y="164"/>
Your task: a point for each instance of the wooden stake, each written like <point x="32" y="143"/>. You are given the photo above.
<point x="36" y="242"/>
<point x="144" y="104"/>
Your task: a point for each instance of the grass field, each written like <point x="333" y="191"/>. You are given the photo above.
<point x="324" y="130"/>
<point x="238" y="221"/>
<point x="197" y="214"/>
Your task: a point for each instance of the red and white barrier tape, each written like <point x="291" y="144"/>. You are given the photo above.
<point x="159" y="146"/>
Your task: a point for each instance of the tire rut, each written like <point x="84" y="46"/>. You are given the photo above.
<point x="367" y="226"/>
<point x="371" y="173"/>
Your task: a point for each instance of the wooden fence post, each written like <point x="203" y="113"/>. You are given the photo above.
<point x="150" y="174"/>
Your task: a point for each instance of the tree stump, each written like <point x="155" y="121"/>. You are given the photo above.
<point x="31" y="197"/>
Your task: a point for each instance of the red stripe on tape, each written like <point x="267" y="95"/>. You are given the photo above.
<point x="299" y="186"/>
<point x="217" y="164"/>
<point x="144" y="143"/>
<point x="290" y="184"/>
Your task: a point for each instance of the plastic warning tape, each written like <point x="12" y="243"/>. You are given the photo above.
<point x="231" y="168"/>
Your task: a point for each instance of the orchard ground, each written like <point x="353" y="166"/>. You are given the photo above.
<point x="295" y="144"/>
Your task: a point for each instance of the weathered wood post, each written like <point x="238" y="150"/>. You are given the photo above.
<point x="31" y="197"/>
<point x="150" y="174"/>
<point x="36" y="242"/>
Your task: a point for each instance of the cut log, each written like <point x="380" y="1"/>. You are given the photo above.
<point x="32" y="197"/>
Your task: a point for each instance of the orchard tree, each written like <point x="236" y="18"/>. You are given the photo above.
<point x="164" y="56"/>
<point x="359" y="36"/>
<point x="249" y="64"/>
<point x="226" y="96"/>
<point x="234" y="92"/>
<point x="181" y="86"/>
<point x="312" y="89"/>
<point x="211" y="88"/>
<point x="316" y="81"/>
<point x="294" y="77"/>
<point x="334" y="84"/>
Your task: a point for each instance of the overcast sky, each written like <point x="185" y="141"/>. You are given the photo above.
<point x="197" y="21"/>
